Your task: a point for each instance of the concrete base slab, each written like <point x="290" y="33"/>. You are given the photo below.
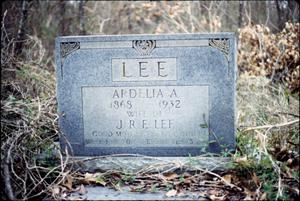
<point x="102" y="193"/>
<point x="148" y="164"/>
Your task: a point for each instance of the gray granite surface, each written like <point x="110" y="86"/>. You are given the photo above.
<point x="156" y="95"/>
<point x="149" y="164"/>
<point x="102" y="193"/>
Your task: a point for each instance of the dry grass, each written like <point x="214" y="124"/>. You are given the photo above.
<point x="268" y="118"/>
<point x="28" y="123"/>
<point x="265" y="107"/>
<point x="260" y="102"/>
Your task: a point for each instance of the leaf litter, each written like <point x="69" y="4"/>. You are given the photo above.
<point x="173" y="184"/>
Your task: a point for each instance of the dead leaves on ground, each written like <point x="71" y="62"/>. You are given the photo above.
<point x="170" y="176"/>
<point x="60" y="192"/>
<point x="171" y="193"/>
<point x="174" y="184"/>
<point x="96" y="178"/>
<point x="68" y="182"/>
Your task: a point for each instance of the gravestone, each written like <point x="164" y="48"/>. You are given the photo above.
<point x="157" y="95"/>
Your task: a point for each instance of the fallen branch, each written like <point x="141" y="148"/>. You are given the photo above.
<point x="6" y="176"/>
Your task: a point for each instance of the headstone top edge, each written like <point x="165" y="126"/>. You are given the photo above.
<point x="146" y="36"/>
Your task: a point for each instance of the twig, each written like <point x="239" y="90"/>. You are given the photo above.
<point x="271" y="126"/>
<point x="291" y="114"/>
<point x="221" y="178"/>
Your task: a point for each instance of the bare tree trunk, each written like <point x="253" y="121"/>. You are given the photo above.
<point x="292" y="6"/>
<point x="227" y="24"/>
<point x="279" y="14"/>
<point x="241" y="10"/>
<point x="6" y="172"/>
<point x="82" y="17"/>
<point x="267" y="13"/>
<point x="128" y="13"/>
<point x="62" y="24"/>
<point x="22" y="28"/>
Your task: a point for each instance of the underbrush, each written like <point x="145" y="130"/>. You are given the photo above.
<point x="274" y="55"/>
<point x="268" y="136"/>
<point x="28" y="123"/>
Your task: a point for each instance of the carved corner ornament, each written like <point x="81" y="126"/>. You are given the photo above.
<point x="66" y="48"/>
<point x="222" y="45"/>
<point x="144" y="47"/>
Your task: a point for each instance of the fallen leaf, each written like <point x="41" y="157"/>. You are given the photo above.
<point x="202" y="194"/>
<point x="289" y="161"/>
<point x="69" y="182"/>
<point x="82" y="190"/>
<point x="215" y="194"/>
<point x="171" y="193"/>
<point x="116" y="175"/>
<point x="249" y="195"/>
<point x="139" y="188"/>
<point x="186" y="174"/>
<point x="255" y="179"/>
<point x="55" y="191"/>
<point x="88" y="178"/>
<point x="241" y="159"/>
<point x="170" y="176"/>
<point x="187" y="181"/>
<point x="99" y="180"/>
<point x="227" y="178"/>
<point x="263" y="196"/>
<point x="94" y="178"/>
<point x="182" y="194"/>
<point x="214" y="197"/>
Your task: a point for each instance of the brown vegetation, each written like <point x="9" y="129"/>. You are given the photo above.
<point x="32" y="165"/>
<point x="262" y="53"/>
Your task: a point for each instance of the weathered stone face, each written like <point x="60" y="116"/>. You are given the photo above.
<point x="161" y="95"/>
